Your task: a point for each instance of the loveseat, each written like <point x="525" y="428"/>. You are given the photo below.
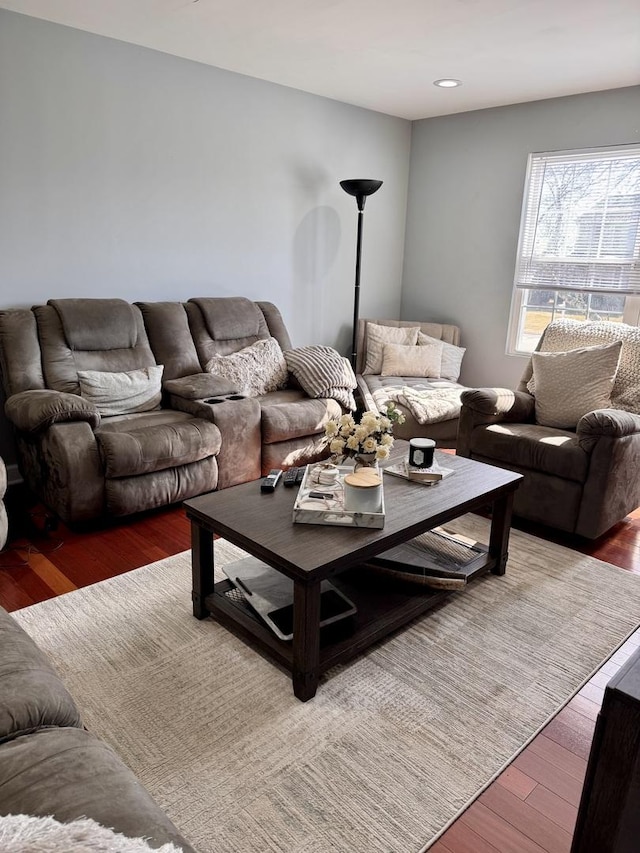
<point x="415" y="365"/>
<point x="572" y="427"/>
<point x="114" y="411"/>
<point x="50" y="765"/>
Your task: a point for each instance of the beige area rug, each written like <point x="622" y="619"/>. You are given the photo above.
<point x="393" y="746"/>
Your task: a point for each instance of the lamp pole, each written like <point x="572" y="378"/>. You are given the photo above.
<point x="360" y="188"/>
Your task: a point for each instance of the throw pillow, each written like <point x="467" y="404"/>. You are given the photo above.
<point x="322" y="372"/>
<point x="254" y="370"/>
<point x="567" y="385"/>
<point x="28" y="834"/>
<point x="377" y="336"/>
<point x="399" y="360"/>
<point x="451" y="357"/>
<point x="122" y="393"/>
<point x="563" y="335"/>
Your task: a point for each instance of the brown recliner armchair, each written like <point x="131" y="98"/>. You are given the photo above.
<point x="580" y="480"/>
<point x="82" y="463"/>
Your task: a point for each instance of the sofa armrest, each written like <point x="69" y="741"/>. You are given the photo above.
<point x="611" y="437"/>
<point x="36" y="411"/>
<point x="485" y="406"/>
<point x="500" y="404"/>
<point x="609" y="423"/>
<point x="240" y="425"/>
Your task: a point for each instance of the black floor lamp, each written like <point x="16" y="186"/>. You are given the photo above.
<point x="360" y="188"/>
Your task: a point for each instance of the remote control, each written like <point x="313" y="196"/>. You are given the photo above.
<point x="290" y="477"/>
<point x="271" y="480"/>
<point x="300" y="472"/>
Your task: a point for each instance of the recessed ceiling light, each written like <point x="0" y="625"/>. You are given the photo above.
<point x="447" y="83"/>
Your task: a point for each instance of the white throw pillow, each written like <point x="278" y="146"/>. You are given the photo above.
<point x="123" y="393"/>
<point x="254" y="370"/>
<point x="568" y="385"/>
<point x="451" y="357"/>
<point x="377" y="336"/>
<point x="399" y="360"/>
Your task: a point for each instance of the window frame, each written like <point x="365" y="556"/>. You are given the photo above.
<point x="631" y="311"/>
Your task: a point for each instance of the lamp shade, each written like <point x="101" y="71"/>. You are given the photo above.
<point x="360" y="188"/>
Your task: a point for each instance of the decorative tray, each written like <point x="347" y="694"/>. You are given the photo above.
<point x="330" y="508"/>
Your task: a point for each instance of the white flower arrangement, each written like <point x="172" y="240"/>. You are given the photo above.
<point x="373" y="435"/>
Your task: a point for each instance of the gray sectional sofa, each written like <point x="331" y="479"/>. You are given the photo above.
<point x="202" y="432"/>
<point x="50" y="765"/>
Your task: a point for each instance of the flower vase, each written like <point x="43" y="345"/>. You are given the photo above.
<point x="364" y="460"/>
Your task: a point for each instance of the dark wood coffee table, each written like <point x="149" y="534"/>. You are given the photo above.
<point x="262" y="525"/>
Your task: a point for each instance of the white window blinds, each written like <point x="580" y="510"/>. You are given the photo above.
<point x="580" y="227"/>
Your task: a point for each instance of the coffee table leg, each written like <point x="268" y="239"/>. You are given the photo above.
<point x="201" y="568"/>
<point x="500" y="530"/>
<point x="306" y="639"/>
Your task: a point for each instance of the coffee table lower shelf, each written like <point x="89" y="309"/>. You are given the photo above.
<point x="383" y="605"/>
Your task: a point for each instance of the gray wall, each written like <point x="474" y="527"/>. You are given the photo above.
<point x="133" y="173"/>
<point x="465" y="197"/>
<point x="130" y="173"/>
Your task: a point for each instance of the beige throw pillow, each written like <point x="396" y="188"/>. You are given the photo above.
<point x="254" y="370"/>
<point x="567" y="385"/>
<point x="122" y="393"/>
<point x="451" y="356"/>
<point x="400" y="360"/>
<point x="377" y="336"/>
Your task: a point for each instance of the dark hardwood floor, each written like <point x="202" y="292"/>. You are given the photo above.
<point x="530" y="808"/>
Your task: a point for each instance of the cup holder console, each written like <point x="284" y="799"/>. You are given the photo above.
<point x="212" y="400"/>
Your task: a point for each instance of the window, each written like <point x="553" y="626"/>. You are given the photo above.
<point x="579" y="247"/>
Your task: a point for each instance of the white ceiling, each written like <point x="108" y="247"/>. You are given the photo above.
<point x="385" y="54"/>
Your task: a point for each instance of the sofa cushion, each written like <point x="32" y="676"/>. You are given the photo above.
<point x="254" y="370"/>
<point x="287" y="415"/>
<point x="451" y="362"/>
<point x="322" y="372"/>
<point x="61" y="361"/>
<point x="377" y="336"/>
<point x="126" y="495"/>
<point x="299" y="451"/>
<point x="32" y="694"/>
<point x="568" y="385"/>
<point x="97" y="324"/>
<point x="400" y="360"/>
<point x="231" y="318"/>
<point x="531" y="446"/>
<point x="69" y="773"/>
<point x="122" y="393"/>
<point x="170" y="338"/>
<point x="197" y="386"/>
<point x="154" y="448"/>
